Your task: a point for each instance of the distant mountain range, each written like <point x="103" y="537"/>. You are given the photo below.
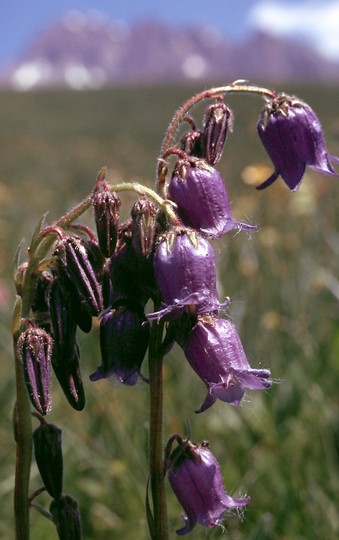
<point x="83" y="51"/>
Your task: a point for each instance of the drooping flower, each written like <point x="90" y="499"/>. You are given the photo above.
<point x="34" y="348"/>
<point x="184" y="267"/>
<point x="293" y="138"/>
<point x="196" y="479"/>
<point x="124" y="338"/>
<point x="214" y="350"/>
<point x="48" y="456"/>
<point x="202" y="200"/>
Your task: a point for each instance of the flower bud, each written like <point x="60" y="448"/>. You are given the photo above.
<point x="196" y="479"/>
<point x="48" y="456"/>
<point x="75" y="264"/>
<point x="124" y="338"/>
<point x="106" y="214"/>
<point x="63" y="319"/>
<point x="67" y="371"/>
<point x="34" y="348"/>
<point x="218" y="121"/>
<point x="66" y="517"/>
<point x="144" y="216"/>
<point x="202" y="201"/>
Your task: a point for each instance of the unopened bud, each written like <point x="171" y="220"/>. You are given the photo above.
<point x="106" y="213"/>
<point x="67" y="371"/>
<point x="48" y="456"/>
<point x="75" y="264"/>
<point x="66" y="516"/>
<point x="34" y="348"/>
<point x="144" y="216"/>
<point x="218" y="120"/>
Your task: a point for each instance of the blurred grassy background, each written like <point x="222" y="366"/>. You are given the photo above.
<point x="281" y="447"/>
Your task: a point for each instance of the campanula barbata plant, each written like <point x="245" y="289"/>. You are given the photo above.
<point x="162" y="254"/>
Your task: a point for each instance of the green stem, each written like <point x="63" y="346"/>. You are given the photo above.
<point x="23" y="431"/>
<point x="160" y="531"/>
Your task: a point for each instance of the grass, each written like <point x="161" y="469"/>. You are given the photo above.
<point x="281" y="447"/>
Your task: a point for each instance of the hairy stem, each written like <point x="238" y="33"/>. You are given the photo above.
<point x="23" y="435"/>
<point x="160" y="531"/>
<point x="212" y="93"/>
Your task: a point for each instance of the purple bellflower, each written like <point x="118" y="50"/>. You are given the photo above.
<point x="214" y="350"/>
<point x="293" y="138"/>
<point x="124" y="338"/>
<point x="184" y="267"/>
<point x="202" y="200"/>
<point x="196" y="479"/>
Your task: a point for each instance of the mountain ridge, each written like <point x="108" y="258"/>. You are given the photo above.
<point x="86" y="51"/>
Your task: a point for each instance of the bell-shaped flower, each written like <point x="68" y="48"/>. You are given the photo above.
<point x="124" y="338"/>
<point x="202" y="200"/>
<point x="185" y="272"/>
<point x="293" y="138"/>
<point x="214" y="350"/>
<point x="196" y="479"/>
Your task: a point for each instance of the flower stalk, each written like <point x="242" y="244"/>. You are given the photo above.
<point x="157" y="478"/>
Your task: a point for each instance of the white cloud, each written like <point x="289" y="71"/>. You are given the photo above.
<point x="315" y="22"/>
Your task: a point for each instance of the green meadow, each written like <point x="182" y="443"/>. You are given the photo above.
<point x="280" y="446"/>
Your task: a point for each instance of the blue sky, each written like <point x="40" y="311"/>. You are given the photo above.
<point x="312" y="20"/>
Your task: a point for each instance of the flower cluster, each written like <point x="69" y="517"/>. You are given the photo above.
<point x="162" y="253"/>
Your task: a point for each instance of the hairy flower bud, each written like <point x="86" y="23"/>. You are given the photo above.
<point x="144" y="218"/>
<point x="66" y="517"/>
<point x="202" y="201"/>
<point x="106" y="214"/>
<point x="34" y="348"/>
<point x="217" y="123"/>
<point x="196" y="479"/>
<point x="292" y="136"/>
<point x="124" y="338"/>
<point x="184" y="267"/>
<point x="214" y="350"/>
<point x="75" y="264"/>
<point x="48" y="456"/>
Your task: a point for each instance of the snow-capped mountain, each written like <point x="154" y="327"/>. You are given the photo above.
<point x="85" y="50"/>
